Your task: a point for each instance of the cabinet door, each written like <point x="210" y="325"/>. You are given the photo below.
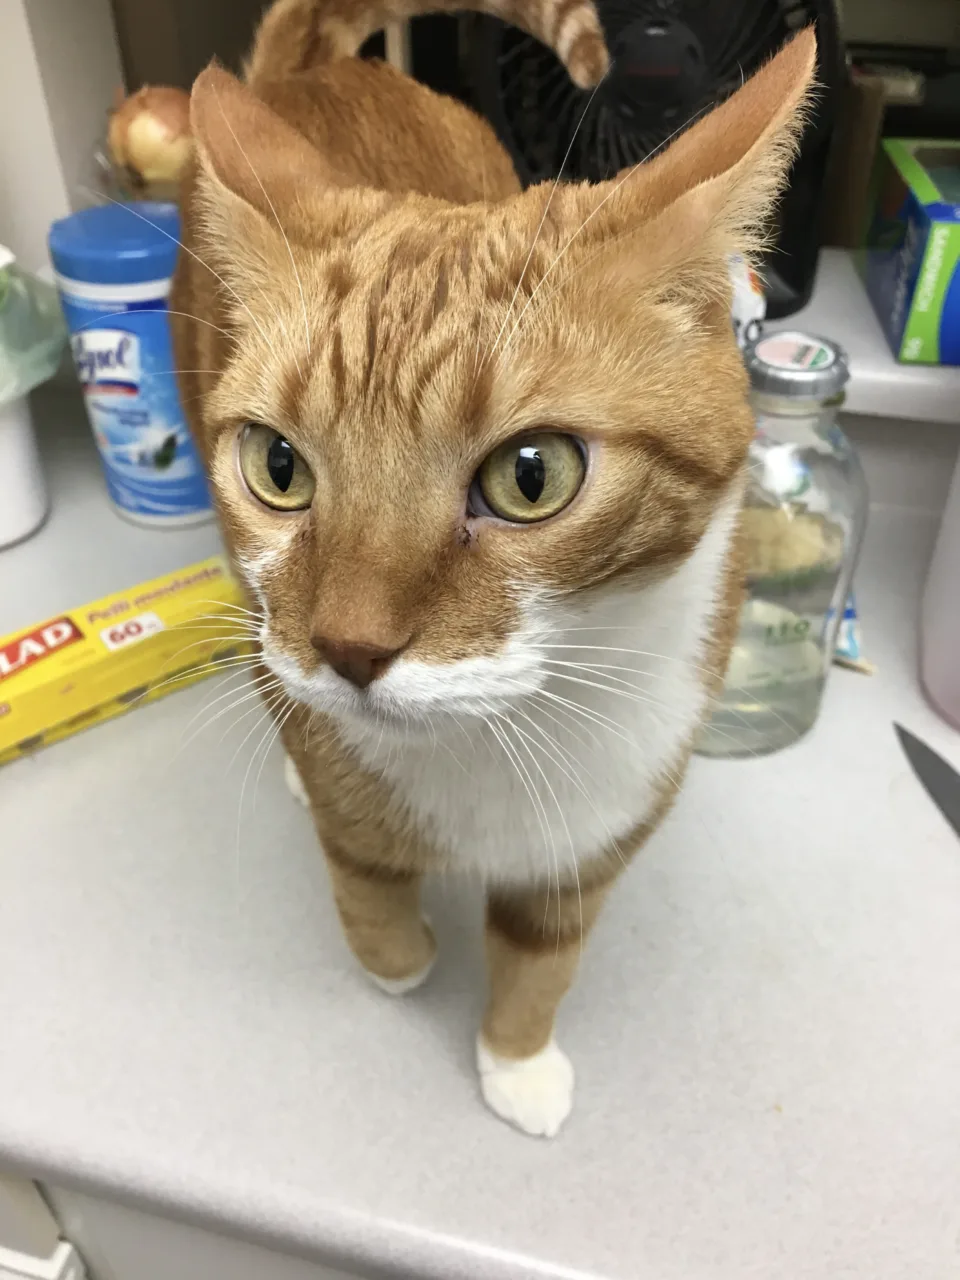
<point x="118" y="1243"/>
<point x="171" y="43"/>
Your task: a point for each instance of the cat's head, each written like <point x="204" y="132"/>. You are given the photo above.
<point x="445" y="434"/>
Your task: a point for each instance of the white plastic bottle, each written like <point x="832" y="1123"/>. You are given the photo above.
<point x="32" y="336"/>
<point x="23" y="494"/>
<point x="940" y="617"/>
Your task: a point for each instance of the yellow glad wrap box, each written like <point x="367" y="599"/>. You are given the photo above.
<point x="95" y="662"/>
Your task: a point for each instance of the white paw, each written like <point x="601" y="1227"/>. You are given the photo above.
<point x="295" y="783"/>
<point x="535" y="1094"/>
<point x="400" y="986"/>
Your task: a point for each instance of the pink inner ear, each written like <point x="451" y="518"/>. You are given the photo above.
<point x="247" y="147"/>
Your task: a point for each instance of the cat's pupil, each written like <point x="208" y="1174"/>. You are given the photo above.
<point x="281" y="461"/>
<point x="530" y="472"/>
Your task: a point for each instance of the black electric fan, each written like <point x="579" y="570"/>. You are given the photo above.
<point x="671" y="60"/>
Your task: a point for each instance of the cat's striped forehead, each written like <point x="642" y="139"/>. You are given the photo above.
<point x="389" y="333"/>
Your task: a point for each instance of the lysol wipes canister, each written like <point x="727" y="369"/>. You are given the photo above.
<point x="114" y="265"/>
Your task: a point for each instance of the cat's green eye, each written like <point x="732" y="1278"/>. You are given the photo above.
<point x="274" y="471"/>
<point x="533" y="477"/>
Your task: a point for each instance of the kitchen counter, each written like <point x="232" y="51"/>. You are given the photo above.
<point x="766" y="1028"/>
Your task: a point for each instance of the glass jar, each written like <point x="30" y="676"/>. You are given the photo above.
<point x="803" y="520"/>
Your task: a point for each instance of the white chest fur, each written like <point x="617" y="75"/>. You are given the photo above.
<point x="541" y="788"/>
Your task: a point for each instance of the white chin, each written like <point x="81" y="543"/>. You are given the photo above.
<point x="387" y="716"/>
<point x="373" y="713"/>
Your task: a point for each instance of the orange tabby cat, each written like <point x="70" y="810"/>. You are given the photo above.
<point x="478" y="455"/>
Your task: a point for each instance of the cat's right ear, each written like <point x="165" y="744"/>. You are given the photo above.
<point x="671" y="222"/>
<point x="247" y="151"/>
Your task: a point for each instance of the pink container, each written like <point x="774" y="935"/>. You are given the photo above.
<point x="940" y="618"/>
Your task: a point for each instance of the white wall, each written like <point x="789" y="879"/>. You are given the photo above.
<point x="60" y="69"/>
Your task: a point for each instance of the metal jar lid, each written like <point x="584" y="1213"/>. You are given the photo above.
<point x="792" y="363"/>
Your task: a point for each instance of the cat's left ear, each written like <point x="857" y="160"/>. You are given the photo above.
<point x="711" y="192"/>
<point x="246" y="149"/>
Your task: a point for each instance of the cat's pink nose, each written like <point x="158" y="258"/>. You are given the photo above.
<point x="357" y="662"/>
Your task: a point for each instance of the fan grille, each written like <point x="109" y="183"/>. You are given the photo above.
<point x="672" y="59"/>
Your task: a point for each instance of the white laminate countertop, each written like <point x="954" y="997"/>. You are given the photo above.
<point x="766" y="1028"/>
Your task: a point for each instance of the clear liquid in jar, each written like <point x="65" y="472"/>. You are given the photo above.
<point x="774" y="682"/>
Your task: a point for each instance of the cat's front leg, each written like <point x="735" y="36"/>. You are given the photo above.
<point x="378" y="906"/>
<point x="533" y="942"/>
<point x="379" y="909"/>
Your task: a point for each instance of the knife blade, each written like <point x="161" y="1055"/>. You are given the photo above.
<point x="940" y="780"/>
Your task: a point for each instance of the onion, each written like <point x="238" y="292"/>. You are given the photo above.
<point x="149" y="133"/>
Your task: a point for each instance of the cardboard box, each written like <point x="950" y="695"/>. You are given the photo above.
<point x="911" y="265"/>
<point x="848" y="184"/>
<point x="95" y="662"/>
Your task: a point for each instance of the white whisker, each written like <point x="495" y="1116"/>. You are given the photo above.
<point x="156" y="311"/>
<point x="573" y="851"/>
<point x="303" y="300"/>
<point x="268" y="715"/>
<point x="550" y="843"/>
<point x="195" y="670"/>
<point x="566" y="762"/>
<point x="608" y="666"/>
<point x="638" y="653"/>
<point x="229" y="604"/>
<point x="598" y="667"/>
<point x="662" y="708"/>
<point x="247" y="683"/>
<point x="543" y="218"/>
<point x="589" y="218"/>
<point x="271" y="700"/>
<point x="541" y="814"/>
<point x="249" y="695"/>
<point x="483" y="301"/>
<point x="563" y="725"/>
<point x="196" y="257"/>
<point x="269" y="747"/>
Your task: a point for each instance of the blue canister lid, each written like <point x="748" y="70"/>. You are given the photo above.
<point x="117" y="243"/>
